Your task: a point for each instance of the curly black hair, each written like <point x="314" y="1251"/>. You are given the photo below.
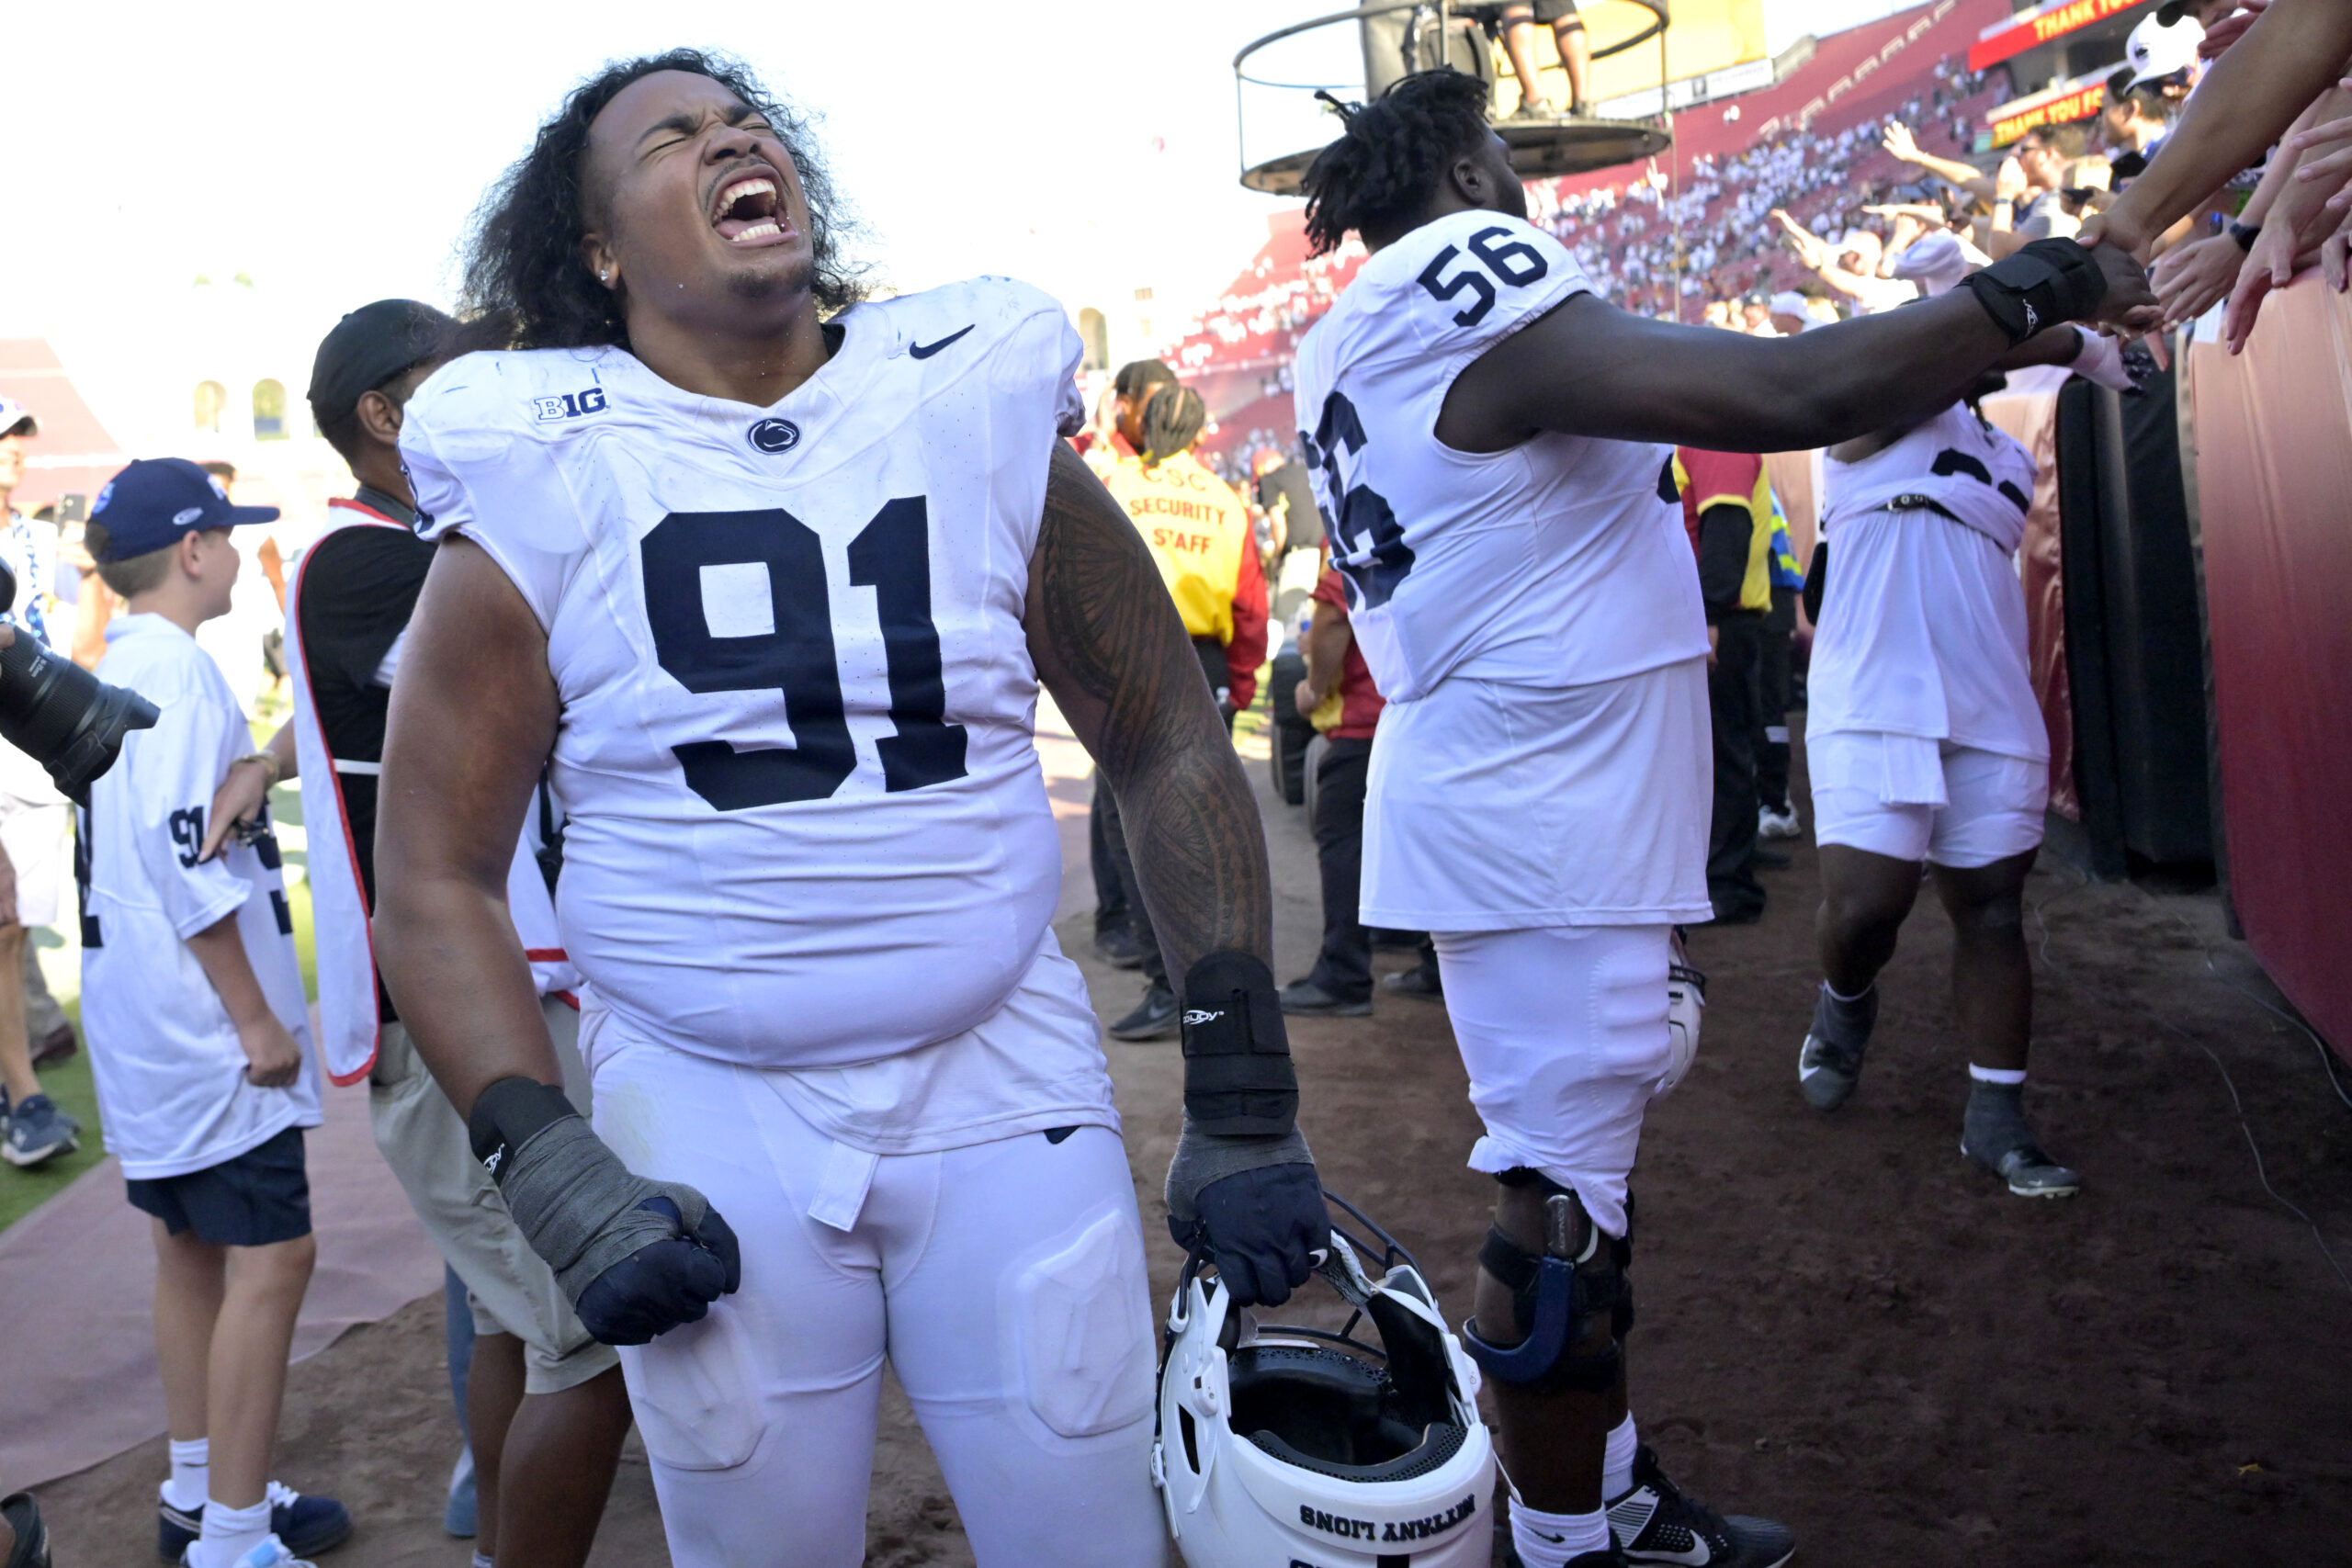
<point x="526" y="284"/>
<point x="1385" y="168"/>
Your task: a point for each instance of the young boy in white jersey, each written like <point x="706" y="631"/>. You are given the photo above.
<point x="1484" y="426"/>
<point x="198" y="1032"/>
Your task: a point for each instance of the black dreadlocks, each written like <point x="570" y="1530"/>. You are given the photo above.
<point x="526" y="284"/>
<point x="1171" y="423"/>
<point x="1385" y="168"/>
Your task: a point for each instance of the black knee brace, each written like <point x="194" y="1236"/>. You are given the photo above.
<point x="1555" y="1295"/>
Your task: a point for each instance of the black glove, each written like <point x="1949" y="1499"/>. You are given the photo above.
<point x="636" y="1257"/>
<point x="1254" y="1206"/>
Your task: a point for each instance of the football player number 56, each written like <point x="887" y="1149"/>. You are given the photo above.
<point x="795" y="654"/>
<point x="1514" y="262"/>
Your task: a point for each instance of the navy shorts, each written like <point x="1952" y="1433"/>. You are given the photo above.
<point x="261" y="1197"/>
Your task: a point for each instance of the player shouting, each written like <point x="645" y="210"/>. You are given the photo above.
<point x="1494" y="447"/>
<point x="768" y="580"/>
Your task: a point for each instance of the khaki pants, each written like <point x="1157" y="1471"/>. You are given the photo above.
<point x="510" y="1288"/>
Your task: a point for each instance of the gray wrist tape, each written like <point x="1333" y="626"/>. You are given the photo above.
<point x="1238" y="1075"/>
<point x="1203" y="1158"/>
<point x="575" y="1202"/>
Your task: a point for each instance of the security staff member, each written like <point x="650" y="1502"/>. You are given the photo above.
<point x="1727" y="506"/>
<point x="1198" y="532"/>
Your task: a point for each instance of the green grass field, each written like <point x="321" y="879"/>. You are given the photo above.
<point x="22" y="1191"/>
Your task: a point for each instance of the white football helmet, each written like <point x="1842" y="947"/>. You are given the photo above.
<point x="1686" y="1003"/>
<point x="1295" y="1448"/>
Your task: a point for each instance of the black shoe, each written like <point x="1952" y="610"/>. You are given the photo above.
<point x="1118" y="948"/>
<point x="1419" y="981"/>
<point x="23" y="1515"/>
<point x="1305" y="999"/>
<point x="1154" y="1018"/>
<point x="1654" y="1522"/>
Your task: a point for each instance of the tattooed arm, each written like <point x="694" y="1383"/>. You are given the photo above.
<point x="1107" y="644"/>
<point x="1242" y="1187"/>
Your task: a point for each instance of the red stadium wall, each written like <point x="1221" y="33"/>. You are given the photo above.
<point x="2274" y="490"/>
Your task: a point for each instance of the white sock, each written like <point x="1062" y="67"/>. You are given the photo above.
<point x="1849" y="1001"/>
<point x="482" y="1562"/>
<point x="229" y="1534"/>
<point x="1551" y="1540"/>
<point x="191" y="1464"/>
<point x="1617" y="1464"/>
<point x="2012" y="1076"/>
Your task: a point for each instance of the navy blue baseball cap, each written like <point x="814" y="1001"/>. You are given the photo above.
<point x="151" y="503"/>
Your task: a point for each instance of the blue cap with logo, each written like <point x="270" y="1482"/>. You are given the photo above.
<point x="154" y="500"/>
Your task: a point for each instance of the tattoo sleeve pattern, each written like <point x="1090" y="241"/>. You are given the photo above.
<point x="1109" y="645"/>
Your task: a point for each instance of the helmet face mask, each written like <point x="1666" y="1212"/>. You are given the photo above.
<point x="1281" y="1444"/>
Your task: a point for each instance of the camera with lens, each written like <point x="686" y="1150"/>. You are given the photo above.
<point x="58" y="713"/>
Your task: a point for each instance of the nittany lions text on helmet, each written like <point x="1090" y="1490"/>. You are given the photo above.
<point x="1295" y="1446"/>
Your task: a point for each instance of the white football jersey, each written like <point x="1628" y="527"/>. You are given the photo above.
<point x="1923" y="625"/>
<point x="1561" y="562"/>
<point x="170" y="1070"/>
<point x="1979" y="473"/>
<point x="807" y="826"/>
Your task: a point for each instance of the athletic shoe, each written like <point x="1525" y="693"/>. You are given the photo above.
<point x="1119" y="948"/>
<point x="2029" y="1172"/>
<point x="1533" y="108"/>
<point x="1421" y="980"/>
<point x="31" y="1550"/>
<point x="1831" y="1063"/>
<point x="1305" y="999"/>
<point x="58" y="1045"/>
<point x="38" y="1131"/>
<point x="1654" y="1522"/>
<point x="1154" y="1018"/>
<point x="299" y="1526"/>
<point x="1777" y="823"/>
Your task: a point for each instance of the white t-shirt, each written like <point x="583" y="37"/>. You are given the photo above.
<point x="1558" y="562"/>
<point x="170" y="1072"/>
<point x="1923" y="628"/>
<point x="1876" y="296"/>
<point x="806" y="823"/>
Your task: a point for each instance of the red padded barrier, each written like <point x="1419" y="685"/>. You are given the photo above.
<point x="2274" y="484"/>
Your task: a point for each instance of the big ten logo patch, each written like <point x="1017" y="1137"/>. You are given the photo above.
<point x="570" y="405"/>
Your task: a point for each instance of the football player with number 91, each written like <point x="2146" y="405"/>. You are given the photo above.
<point x="767" y="580"/>
<point x="1494" y="443"/>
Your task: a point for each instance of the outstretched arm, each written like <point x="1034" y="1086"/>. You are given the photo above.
<point x="1899" y="144"/>
<point x="1587" y="369"/>
<point x="2249" y="97"/>
<point x="1107" y="644"/>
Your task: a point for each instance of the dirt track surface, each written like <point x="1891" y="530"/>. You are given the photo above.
<point x="1843" y="1325"/>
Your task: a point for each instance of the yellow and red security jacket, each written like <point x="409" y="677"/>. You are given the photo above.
<point x="1199" y="532"/>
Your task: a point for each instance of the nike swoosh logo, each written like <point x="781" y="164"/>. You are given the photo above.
<point x="925" y="350"/>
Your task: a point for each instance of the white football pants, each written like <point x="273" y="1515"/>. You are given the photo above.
<point x="1564" y="1031"/>
<point x="1004" y="1281"/>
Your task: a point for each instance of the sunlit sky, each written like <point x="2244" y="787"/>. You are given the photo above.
<point x="333" y="153"/>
